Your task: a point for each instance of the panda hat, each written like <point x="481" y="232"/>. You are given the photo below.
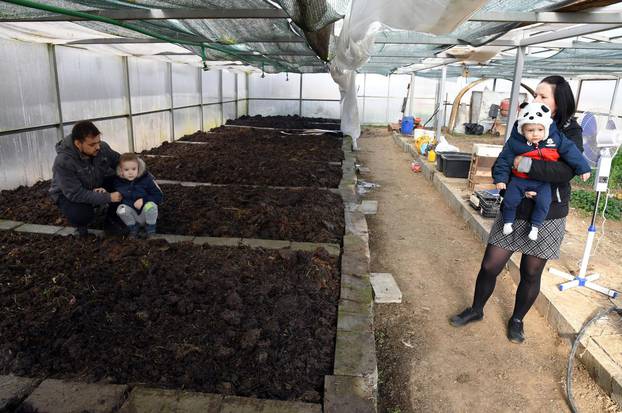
<point x="535" y="112"/>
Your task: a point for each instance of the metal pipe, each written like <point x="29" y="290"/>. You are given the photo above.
<point x="441" y="109"/>
<point x="516" y="82"/>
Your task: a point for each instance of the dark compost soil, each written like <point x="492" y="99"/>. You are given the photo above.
<point x="284" y="148"/>
<point x="229" y="168"/>
<point x="286" y="122"/>
<point x="310" y="215"/>
<point x="227" y="320"/>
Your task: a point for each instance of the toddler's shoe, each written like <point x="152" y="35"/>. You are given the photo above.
<point x="507" y="228"/>
<point x="133" y="234"/>
<point x="150" y="231"/>
<point x="533" y="234"/>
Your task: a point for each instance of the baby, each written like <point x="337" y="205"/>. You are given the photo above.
<point x="141" y="195"/>
<point x="537" y="137"/>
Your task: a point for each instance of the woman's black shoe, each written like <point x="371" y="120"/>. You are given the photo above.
<point x="466" y="317"/>
<point x="515" y="331"/>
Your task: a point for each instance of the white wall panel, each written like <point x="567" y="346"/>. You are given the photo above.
<point x="114" y="133"/>
<point x="376" y="85"/>
<point x="228" y="85"/>
<point x="274" y="86"/>
<point x="151" y="130"/>
<point x="228" y="110"/>
<point x="185" y="85"/>
<point x="27" y="90"/>
<point x="91" y="85"/>
<point x="242" y="90"/>
<point x="375" y="110"/>
<point x="398" y="85"/>
<point x="319" y="86"/>
<point x="242" y="107"/>
<point x="212" y="116"/>
<point x="273" y="107"/>
<point x="320" y="109"/>
<point x="27" y="157"/>
<point x="149" y="85"/>
<point x="211" y="86"/>
<point x="187" y="121"/>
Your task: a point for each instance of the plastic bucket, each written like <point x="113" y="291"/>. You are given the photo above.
<point x="408" y="125"/>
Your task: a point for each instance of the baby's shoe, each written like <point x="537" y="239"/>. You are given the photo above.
<point x="533" y="234"/>
<point x="133" y="234"/>
<point x="507" y="228"/>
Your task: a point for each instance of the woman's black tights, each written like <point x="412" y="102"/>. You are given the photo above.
<point x="493" y="262"/>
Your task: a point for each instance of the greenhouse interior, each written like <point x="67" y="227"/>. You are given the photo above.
<point x="304" y="206"/>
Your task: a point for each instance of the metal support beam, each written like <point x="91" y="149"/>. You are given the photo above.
<point x="161" y="14"/>
<point x="200" y="71"/>
<point x="612" y="106"/>
<point x="440" y="115"/>
<point x="128" y="95"/>
<point x="54" y="66"/>
<point x="515" y="94"/>
<point x="411" y="95"/>
<point x="547" y="17"/>
<point x="220" y="93"/>
<point x="170" y="83"/>
<point x="569" y="32"/>
<point x="130" y="40"/>
<point x="300" y="97"/>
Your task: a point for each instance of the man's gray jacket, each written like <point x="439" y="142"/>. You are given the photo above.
<point x="76" y="175"/>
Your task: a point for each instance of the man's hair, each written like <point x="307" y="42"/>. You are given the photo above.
<point x="564" y="99"/>
<point x="127" y="157"/>
<point x="83" y="129"/>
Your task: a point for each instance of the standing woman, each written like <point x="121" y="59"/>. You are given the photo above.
<point x="555" y="92"/>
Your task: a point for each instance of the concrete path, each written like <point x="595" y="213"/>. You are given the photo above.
<point x="425" y="365"/>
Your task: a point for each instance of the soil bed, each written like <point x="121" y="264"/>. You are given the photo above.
<point x="220" y="320"/>
<point x="286" y="122"/>
<point x="286" y="148"/>
<point x="309" y="215"/>
<point x="228" y="168"/>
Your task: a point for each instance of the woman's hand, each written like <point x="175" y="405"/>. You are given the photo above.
<point x="530" y="194"/>
<point x="585" y="176"/>
<point x="517" y="161"/>
<point x="500" y="185"/>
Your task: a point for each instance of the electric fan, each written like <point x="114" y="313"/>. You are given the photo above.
<point x="599" y="148"/>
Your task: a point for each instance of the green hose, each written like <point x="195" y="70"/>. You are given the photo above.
<point x="114" y="22"/>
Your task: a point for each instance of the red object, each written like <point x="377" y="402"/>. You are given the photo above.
<point x="415" y="166"/>
<point x="504" y="107"/>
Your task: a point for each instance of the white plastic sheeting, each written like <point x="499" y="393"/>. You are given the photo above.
<point x="149" y="85"/>
<point x="27" y="157"/>
<point x="368" y="17"/>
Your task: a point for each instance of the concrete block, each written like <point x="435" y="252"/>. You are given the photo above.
<point x="332" y="249"/>
<point x="369" y="207"/>
<point x="270" y="244"/>
<point x="7" y="225"/>
<point x="38" y="229"/>
<point x="145" y="400"/>
<point x="363" y="170"/>
<point x="13" y="390"/>
<point x="343" y="394"/>
<point x="355" y="355"/>
<point x="171" y="239"/>
<point x="218" y="241"/>
<point x="348" y="193"/>
<point x="358" y="291"/>
<point x="56" y="396"/>
<point x="355" y="307"/>
<point x="355" y="259"/>
<point x="354" y="322"/>
<point x="356" y="223"/>
<point x="233" y="404"/>
<point x="385" y="288"/>
<point x="616" y="389"/>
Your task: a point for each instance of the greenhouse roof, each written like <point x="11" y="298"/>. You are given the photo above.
<point x="565" y="37"/>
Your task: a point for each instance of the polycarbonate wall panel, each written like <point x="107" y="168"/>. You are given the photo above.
<point x="242" y="107"/>
<point x="114" y="133"/>
<point x="273" y="107"/>
<point x="274" y="86"/>
<point x="360" y="84"/>
<point x="320" y="109"/>
<point x="91" y="85"/>
<point x="185" y="85"/>
<point x="212" y="116"/>
<point x="228" y="86"/>
<point x="27" y="157"/>
<point x="398" y="85"/>
<point x="229" y="111"/>
<point x="27" y="90"/>
<point x="149" y="85"/>
<point x="394" y="109"/>
<point x="242" y="90"/>
<point x="187" y="121"/>
<point x="211" y="86"/>
<point x="375" y="110"/>
<point x="151" y="130"/>
<point x="376" y="85"/>
<point x="596" y="95"/>
<point x="319" y="86"/>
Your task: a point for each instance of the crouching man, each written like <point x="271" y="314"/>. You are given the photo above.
<point x="82" y="176"/>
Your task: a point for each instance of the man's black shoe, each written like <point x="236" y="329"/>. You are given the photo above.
<point x="466" y="317"/>
<point x="515" y="331"/>
<point x="82" y="232"/>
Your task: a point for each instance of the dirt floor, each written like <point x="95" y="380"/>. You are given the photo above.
<point x="258" y="323"/>
<point x="425" y="364"/>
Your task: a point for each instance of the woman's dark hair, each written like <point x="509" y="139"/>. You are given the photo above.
<point x="564" y="99"/>
<point x="83" y="129"/>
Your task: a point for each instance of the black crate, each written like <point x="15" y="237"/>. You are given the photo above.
<point x="489" y="203"/>
<point x="456" y="164"/>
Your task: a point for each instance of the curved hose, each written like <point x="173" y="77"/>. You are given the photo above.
<point x="575" y="346"/>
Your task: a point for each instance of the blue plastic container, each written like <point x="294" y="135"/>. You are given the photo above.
<point x="408" y="125"/>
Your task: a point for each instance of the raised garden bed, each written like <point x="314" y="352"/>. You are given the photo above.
<point x="286" y="122"/>
<point x="284" y="148"/>
<point x="308" y="215"/>
<point x="227" y="168"/>
<point x="227" y="320"/>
